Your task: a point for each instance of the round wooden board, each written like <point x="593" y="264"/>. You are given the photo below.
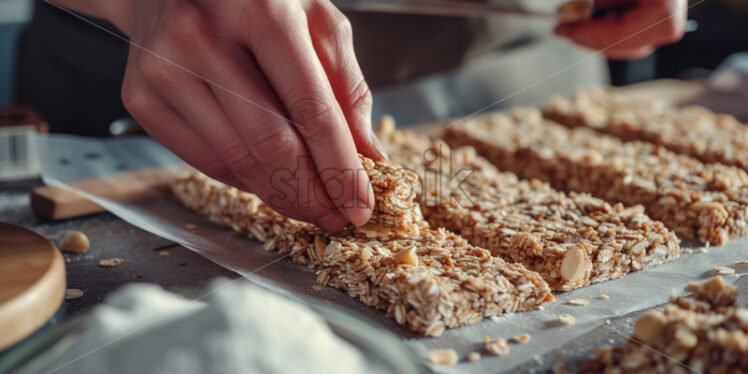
<point x="32" y="282"/>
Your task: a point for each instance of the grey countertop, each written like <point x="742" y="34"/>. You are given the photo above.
<point x="182" y="271"/>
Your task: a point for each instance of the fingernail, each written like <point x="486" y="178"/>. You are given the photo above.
<point x="332" y="222"/>
<point x="357" y="212"/>
<point x="378" y="145"/>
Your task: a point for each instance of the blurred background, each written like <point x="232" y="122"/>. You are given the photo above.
<point x="715" y="30"/>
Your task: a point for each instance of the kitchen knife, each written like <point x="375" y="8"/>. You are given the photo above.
<point x="568" y="11"/>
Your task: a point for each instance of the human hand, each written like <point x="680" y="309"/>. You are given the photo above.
<point x="216" y="81"/>
<point x="635" y="33"/>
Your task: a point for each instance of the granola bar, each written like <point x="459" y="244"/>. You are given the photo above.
<point x="703" y="332"/>
<point x="571" y="240"/>
<point x="691" y="130"/>
<point x="706" y="201"/>
<point x="426" y="279"/>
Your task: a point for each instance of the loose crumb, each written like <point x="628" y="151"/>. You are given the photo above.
<point x="702" y="250"/>
<point x="75" y="241"/>
<point x="473" y="356"/>
<point x="318" y="287"/>
<point x="604" y="296"/>
<point x="618" y="331"/>
<point x="521" y="338"/>
<point x="139" y="275"/>
<point x="566" y="319"/>
<point x="328" y="301"/>
<point x="73" y="293"/>
<point x="724" y="270"/>
<point x="498" y="346"/>
<point x="163" y="253"/>
<point x="446" y="356"/>
<point x="191" y="227"/>
<point x="578" y="302"/>
<point x="741" y="262"/>
<point x="113" y="262"/>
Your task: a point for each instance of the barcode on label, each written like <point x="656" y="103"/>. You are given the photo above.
<point x="18" y="156"/>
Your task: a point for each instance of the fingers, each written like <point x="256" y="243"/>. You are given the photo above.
<point x="281" y="43"/>
<point x="634" y="34"/>
<point x="191" y="97"/>
<point x="332" y="39"/>
<point x="161" y="121"/>
<point x="274" y="142"/>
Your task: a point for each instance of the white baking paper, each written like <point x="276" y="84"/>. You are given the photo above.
<point x="70" y="159"/>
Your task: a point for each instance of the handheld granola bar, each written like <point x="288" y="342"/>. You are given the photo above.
<point x="707" y="201"/>
<point x="691" y="130"/>
<point x="427" y="280"/>
<point x="704" y="332"/>
<point x="571" y="240"/>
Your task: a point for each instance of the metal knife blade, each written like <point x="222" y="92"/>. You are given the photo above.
<point x="580" y="9"/>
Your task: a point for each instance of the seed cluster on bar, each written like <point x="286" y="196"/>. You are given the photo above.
<point x="701" y="332"/>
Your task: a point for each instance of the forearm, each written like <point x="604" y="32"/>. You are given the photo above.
<point x="115" y="11"/>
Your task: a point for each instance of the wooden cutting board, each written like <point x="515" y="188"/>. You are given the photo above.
<point x="32" y="282"/>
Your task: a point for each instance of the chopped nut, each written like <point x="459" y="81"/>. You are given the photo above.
<point x="318" y="287"/>
<point x="73" y="293"/>
<point x="648" y="327"/>
<point x="386" y="125"/>
<point x="498" y="347"/>
<point x="365" y="254"/>
<point x="521" y="338"/>
<point x="714" y="291"/>
<point x="686" y="339"/>
<point x="113" y="262"/>
<point x="446" y="356"/>
<point x="566" y="319"/>
<point x="604" y="296"/>
<point x="163" y="253"/>
<point x="407" y="256"/>
<point x="578" y="302"/>
<point x="575" y="264"/>
<point x="724" y="270"/>
<point x="75" y="241"/>
<point x="473" y="356"/>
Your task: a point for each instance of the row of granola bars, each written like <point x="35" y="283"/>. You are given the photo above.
<point x="571" y="240"/>
<point x="474" y="241"/>
<point x="693" y="198"/>
<point x="426" y="279"/>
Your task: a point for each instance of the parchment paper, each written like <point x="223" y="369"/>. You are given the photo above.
<point x="69" y="159"/>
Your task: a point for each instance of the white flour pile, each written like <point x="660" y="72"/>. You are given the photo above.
<point x="239" y="328"/>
